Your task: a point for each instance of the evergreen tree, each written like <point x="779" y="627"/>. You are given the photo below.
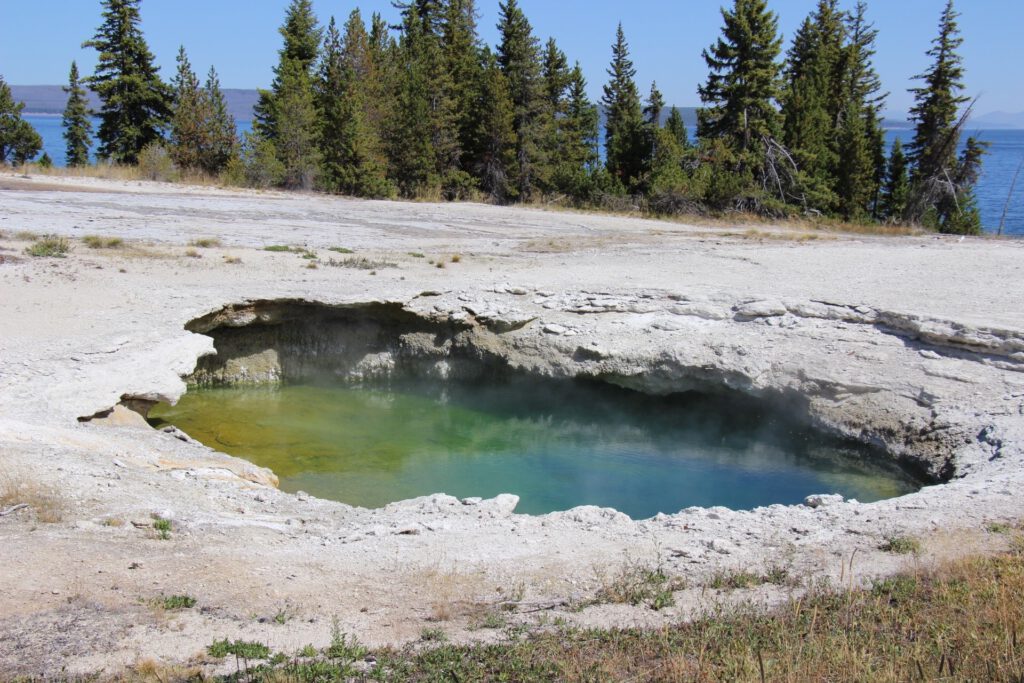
<point x="136" y="104"/>
<point x="677" y="127"/>
<point x="933" y="151"/>
<point x="302" y="36"/>
<point x="350" y="161"/>
<point x="76" y="122"/>
<point x="518" y="57"/>
<point x="286" y="116"/>
<point x="410" y="139"/>
<point x="858" y="167"/>
<point x="959" y="208"/>
<point x="740" y="93"/>
<point x="19" y="141"/>
<point x="493" y="142"/>
<point x="554" y="81"/>
<point x="221" y="134"/>
<point x="624" y="130"/>
<point x="189" y="117"/>
<point x="577" y="162"/>
<point x="897" y="185"/>
<point x="463" y="62"/>
<point x="655" y="105"/>
<point x="814" y="102"/>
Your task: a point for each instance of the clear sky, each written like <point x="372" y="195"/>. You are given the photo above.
<point x="41" y="37"/>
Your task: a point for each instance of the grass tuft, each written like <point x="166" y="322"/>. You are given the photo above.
<point x="341" y="250"/>
<point x="277" y="248"/>
<point x="97" y="242"/>
<point x="49" y="246"/>
<point x="177" y="602"/>
<point x="901" y="545"/>
<point x="205" y="242"/>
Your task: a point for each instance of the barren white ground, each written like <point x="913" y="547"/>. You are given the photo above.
<point x="919" y="334"/>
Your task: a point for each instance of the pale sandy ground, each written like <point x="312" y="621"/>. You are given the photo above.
<point x="78" y="578"/>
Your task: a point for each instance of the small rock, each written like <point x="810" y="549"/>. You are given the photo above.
<point x="302" y="495"/>
<point x="931" y="355"/>
<point x="823" y="500"/>
<point x="760" y="309"/>
<point x="552" y="328"/>
<point x="722" y="546"/>
<point x="472" y="500"/>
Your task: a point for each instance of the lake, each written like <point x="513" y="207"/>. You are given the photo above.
<point x="1006" y="152"/>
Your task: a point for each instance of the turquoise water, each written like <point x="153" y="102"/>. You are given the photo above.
<point x="554" y="445"/>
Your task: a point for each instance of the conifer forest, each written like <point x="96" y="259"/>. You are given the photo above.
<point x="426" y="110"/>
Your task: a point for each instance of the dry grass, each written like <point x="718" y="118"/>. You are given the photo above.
<point x="43" y="502"/>
<point x="205" y="242"/>
<point x="98" y="242"/>
<point x="192" y="253"/>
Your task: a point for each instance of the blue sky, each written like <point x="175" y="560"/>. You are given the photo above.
<point x="41" y="37"/>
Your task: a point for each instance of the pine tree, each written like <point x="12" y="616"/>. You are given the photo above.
<point x="302" y="36"/>
<point x="221" y="133"/>
<point x="350" y="161"/>
<point x="493" y="142"/>
<point x="76" y="122"/>
<point x="814" y="101"/>
<point x="189" y="116"/>
<point x="519" y="58"/>
<point x="579" y="135"/>
<point x="624" y="138"/>
<point x="655" y="105"/>
<point x="554" y="81"/>
<point x="463" y="62"/>
<point x="677" y="127"/>
<point x="740" y="93"/>
<point x="412" y="156"/>
<point x="858" y="169"/>
<point x="897" y="185"/>
<point x="933" y="151"/>
<point x="136" y="104"/>
<point x="959" y="209"/>
<point x="285" y="116"/>
<point x="19" y="141"/>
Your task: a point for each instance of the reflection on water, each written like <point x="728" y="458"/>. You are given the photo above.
<point x="556" y="445"/>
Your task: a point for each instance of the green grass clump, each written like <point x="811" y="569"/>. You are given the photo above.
<point x="901" y="545"/>
<point x="49" y="246"/>
<point x="176" y="602"/>
<point x="243" y="649"/>
<point x="163" y="528"/>
<point x="433" y="635"/>
<point x="97" y="242"/>
<point x="341" y="250"/>
<point x="277" y="248"/>
<point x="639" y="584"/>
<point x="361" y="263"/>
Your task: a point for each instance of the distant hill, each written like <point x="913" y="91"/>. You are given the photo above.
<point x="999" y="119"/>
<point x="51" y="99"/>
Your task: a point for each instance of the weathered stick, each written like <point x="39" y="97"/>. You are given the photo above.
<point x="11" y="511"/>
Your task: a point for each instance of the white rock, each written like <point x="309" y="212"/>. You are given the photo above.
<point x="553" y="328"/>
<point x="822" y="500"/>
<point x="760" y="309"/>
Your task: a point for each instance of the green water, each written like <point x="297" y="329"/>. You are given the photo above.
<point x="556" y="445"/>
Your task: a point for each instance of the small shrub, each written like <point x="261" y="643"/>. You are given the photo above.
<point x="282" y="617"/>
<point x="433" y="634"/>
<point x="277" y="248"/>
<point x="49" y="246"/>
<point x="361" y="263"/>
<point x="494" y="619"/>
<point x="637" y="584"/>
<point x="312" y="265"/>
<point x="998" y="528"/>
<point x="341" y="250"/>
<point x="308" y="652"/>
<point x="901" y="545"/>
<point x="440" y="264"/>
<point x="205" y="242"/>
<point x="243" y="649"/>
<point x="156" y="164"/>
<point x="342" y="648"/>
<point x="456" y="258"/>
<point x="97" y="242"/>
<point x="735" y="580"/>
<point x="177" y="602"/>
<point x="417" y="254"/>
<point x="192" y="253"/>
<point x="233" y="260"/>
<point x="163" y="528"/>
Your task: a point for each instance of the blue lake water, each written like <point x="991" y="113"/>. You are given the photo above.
<point x="1006" y="152"/>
